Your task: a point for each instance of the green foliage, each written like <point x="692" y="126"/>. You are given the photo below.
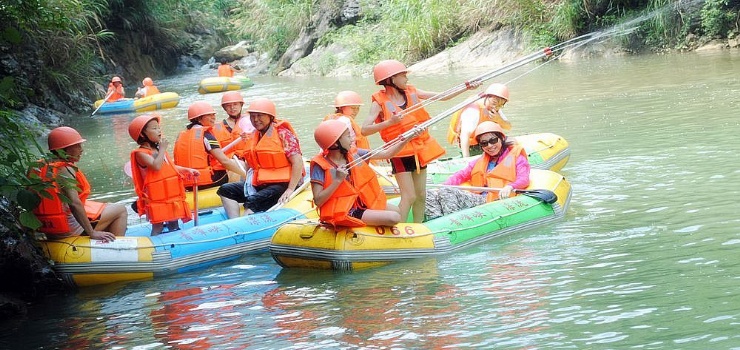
<point x="271" y="24"/>
<point x="15" y="160"/>
<point x="716" y="18"/>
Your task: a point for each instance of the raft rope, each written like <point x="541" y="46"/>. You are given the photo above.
<point x="172" y="245"/>
<point x="432" y="233"/>
<point x="546" y="52"/>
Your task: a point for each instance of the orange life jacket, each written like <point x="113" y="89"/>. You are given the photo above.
<point x="361" y="141"/>
<point x="225" y="137"/>
<point x="362" y="184"/>
<point x="424" y="147"/>
<point x="502" y="174"/>
<point x="190" y="152"/>
<point x="52" y="212"/>
<point x="266" y="155"/>
<point x="150" y="90"/>
<point x="225" y="70"/>
<point x="453" y="132"/>
<point x="116" y="94"/>
<point x="161" y="193"/>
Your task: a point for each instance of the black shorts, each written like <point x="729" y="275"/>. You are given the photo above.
<point x="219" y="177"/>
<point x="265" y="198"/>
<point x="357" y="212"/>
<point x="404" y="164"/>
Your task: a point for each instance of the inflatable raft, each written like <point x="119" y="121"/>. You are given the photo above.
<point x="306" y="243"/>
<point x="545" y="151"/>
<point x="221" y="84"/>
<point x="145" y="104"/>
<point x="138" y="256"/>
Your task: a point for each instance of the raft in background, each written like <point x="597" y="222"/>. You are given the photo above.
<point x="82" y="261"/>
<point x="308" y="244"/>
<point x="145" y="104"/>
<point x="221" y="84"/>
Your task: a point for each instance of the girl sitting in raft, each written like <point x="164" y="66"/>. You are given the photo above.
<point x="157" y="180"/>
<point x="348" y="197"/>
<point x="503" y="165"/>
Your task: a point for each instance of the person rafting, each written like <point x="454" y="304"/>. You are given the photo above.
<point x="76" y="215"/>
<point x="346" y="107"/>
<point x="147" y="89"/>
<point x="226" y="70"/>
<point x="115" y="90"/>
<point x="395" y="110"/>
<point x="158" y="181"/>
<point x="464" y="121"/>
<point x="274" y="155"/>
<point x="197" y="148"/>
<point x="503" y="165"/>
<point x="229" y="129"/>
<point x="349" y="197"/>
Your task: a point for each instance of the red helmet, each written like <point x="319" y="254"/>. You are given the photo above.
<point x="499" y="90"/>
<point x="486" y="127"/>
<point x="147" y="81"/>
<point x="231" y="96"/>
<point x="328" y="132"/>
<point x="347" y="98"/>
<point x="199" y="108"/>
<point x="262" y="105"/>
<point x="137" y="125"/>
<point x="63" y="137"/>
<point x="386" y="69"/>
<point x="115" y="80"/>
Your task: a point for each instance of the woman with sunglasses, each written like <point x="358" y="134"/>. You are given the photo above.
<point x="503" y="164"/>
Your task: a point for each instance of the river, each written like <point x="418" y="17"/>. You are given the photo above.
<point x="645" y="257"/>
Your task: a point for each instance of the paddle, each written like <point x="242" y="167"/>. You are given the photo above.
<point x="101" y="105"/>
<point x="292" y="195"/>
<point x="546" y="196"/>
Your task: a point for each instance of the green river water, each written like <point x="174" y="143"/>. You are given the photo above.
<point x="644" y="259"/>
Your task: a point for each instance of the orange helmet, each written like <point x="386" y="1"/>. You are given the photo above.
<point x="63" y="137"/>
<point x="137" y="125"/>
<point x="499" y="90"/>
<point x="328" y="132"/>
<point x="199" y="108"/>
<point x="486" y="127"/>
<point x="115" y="80"/>
<point x="262" y="105"/>
<point x="347" y="98"/>
<point x="231" y="96"/>
<point x="386" y="69"/>
<point x="147" y="81"/>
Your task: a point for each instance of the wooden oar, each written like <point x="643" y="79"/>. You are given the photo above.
<point x="105" y="99"/>
<point x="544" y="195"/>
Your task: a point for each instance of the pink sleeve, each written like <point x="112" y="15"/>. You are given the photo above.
<point x="462" y="175"/>
<point x="522" y="173"/>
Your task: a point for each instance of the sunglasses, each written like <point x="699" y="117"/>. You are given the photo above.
<point x="485" y="143"/>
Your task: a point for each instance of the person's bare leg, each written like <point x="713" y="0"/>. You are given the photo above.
<point x="113" y="219"/>
<point x="420" y="189"/>
<point x="408" y="194"/>
<point x="231" y="207"/>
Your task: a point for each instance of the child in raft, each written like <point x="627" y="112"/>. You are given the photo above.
<point x="157" y="180"/>
<point x="349" y="197"/>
